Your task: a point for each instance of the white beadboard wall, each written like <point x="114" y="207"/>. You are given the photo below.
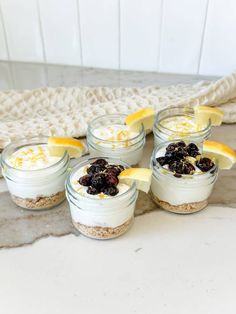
<point x="176" y="36"/>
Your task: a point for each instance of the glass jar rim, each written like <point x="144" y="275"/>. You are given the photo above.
<point x="141" y="132"/>
<point x="169" y="173"/>
<point x="190" y="113"/>
<point x="85" y="161"/>
<point x="28" y="142"/>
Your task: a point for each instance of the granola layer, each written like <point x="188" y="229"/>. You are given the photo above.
<point x="40" y="202"/>
<point x="186" y="208"/>
<point x="97" y="232"/>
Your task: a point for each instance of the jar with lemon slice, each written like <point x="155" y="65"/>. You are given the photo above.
<point x="35" y="170"/>
<point x="184" y="173"/>
<point x="109" y="136"/>
<point x="186" y="122"/>
<point x="102" y="194"/>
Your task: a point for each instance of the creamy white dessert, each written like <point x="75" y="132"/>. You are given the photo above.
<point x="101" y="207"/>
<point x="108" y="136"/>
<point x="182" y="185"/>
<point x="34" y="178"/>
<point x="178" y="122"/>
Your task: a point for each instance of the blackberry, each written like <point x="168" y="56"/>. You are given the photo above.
<point x="85" y="180"/>
<point x="98" y="180"/>
<point x="92" y="190"/>
<point x="205" y="164"/>
<point x="111" y="191"/>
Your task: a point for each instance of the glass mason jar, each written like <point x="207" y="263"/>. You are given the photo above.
<point x="163" y="133"/>
<point x="129" y="151"/>
<point x="185" y="194"/>
<point x="101" y="218"/>
<point x="35" y="189"/>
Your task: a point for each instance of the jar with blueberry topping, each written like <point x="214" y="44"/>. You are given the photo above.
<point x="183" y="178"/>
<point x="101" y="206"/>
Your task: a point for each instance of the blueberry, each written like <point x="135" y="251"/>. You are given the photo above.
<point x="92" y="190"/>
<point x="162" y="160"/>
<point x="85" y="180"/>
<point x="95" y="169"/>
<point x="98" y="180"/>
<point x="205" y="164"/>
<point x="111" y="180"/>
<point x="111" y="191"/>
<point x="113" y="170"/>
<point x="181" y="144"/>
<point x="100" y="162"/>
<point x="192" y="150"/>
<point x="188" y="168"/>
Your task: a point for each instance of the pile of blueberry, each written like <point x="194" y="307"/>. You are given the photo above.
<point x="177" y="161"/>
<point x="102" y="177"/>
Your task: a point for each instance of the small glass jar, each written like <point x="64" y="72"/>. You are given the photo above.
<point x="129" y="151"/>
<point x="35" y="189"/>
<point x="163" y="133"/>
<point x="184" y="195"/>
<point x="103" y="218"/>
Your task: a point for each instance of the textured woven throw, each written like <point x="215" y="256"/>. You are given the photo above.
<point x="67" y="111"/>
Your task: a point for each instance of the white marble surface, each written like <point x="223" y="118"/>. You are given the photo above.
<point x="166" y="263"/>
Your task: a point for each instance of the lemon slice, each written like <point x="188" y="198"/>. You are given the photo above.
<point x="58" y="145"/>
<point x="224" y="154"/>
<point x="143" y="117"/>
<point x="203" y="114"/>
<point x="141" y="176"/>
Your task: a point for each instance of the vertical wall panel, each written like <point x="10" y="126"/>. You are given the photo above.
<point x="22" y="28"/>
<point x="219" y="46"/>
<point x="140" y="34"/>
<point x="3" y="48"/>
<point x="60" y="27"/>
<point x="182" y="29"/>
<point x="99" y="33"/>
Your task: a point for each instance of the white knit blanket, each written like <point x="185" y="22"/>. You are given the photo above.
<point x="67" y="111"/>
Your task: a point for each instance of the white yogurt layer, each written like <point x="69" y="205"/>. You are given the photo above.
<point x="180" y="124"/>
<point x="100" y="210"/>
<point x="119" y="134"/>
<point x="82" y="189"/>
<point x="32" y="157"/>
<point x="186" y="189"/>
<point x="117" y="141"/>
<point x="33" y="175"/>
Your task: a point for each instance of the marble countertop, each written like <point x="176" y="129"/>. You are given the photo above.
<point x="166" y="263"/>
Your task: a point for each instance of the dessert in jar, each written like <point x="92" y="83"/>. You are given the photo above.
<point x="101" y="199"/>
<point x="183" y="178"/>
<point x="34" y="178"/>
<point x="108" y="135"/>
<point x="179" y="122"/>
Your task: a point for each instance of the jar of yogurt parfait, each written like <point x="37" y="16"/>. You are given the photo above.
<point x="35" y="180"/>
<point x="109" y="136"/>
<point x="178" y="122"/>
<point x="101" y="207"/>
<point x="182" y="179"/>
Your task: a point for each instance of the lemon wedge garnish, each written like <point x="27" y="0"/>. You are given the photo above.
<point x="143" y="117"/>
<point x="203" y="114"/>
<point x="141" y="176"/>
<point x="224" y="154"/>
<point x="58" y="145"/>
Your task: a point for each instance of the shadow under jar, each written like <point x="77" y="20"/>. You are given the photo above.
<point x="184" y="194"/>
<point x="109" y="136"/>
<point x="178" y="122"/>
<point x="99" y="216"/>
<point x="35" y="180"/>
